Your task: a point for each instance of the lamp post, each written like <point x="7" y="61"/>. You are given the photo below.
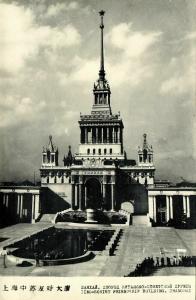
<point x="4" y="253"/>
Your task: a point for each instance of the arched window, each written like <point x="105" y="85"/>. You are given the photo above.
<point x="52" y="158"/>
<point x="88" y="151"/>
<point x="62" y="179"/>
<point x="99" y="151"/>
<point x="105" y="151"/>
<point x="145" y="154"/>
<point x="110" y="150"/>
<point x="54" y="179"/>
<point x="93" y="151"/>
<point x="48" y="179"/>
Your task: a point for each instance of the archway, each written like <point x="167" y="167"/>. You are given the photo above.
<point x="93" y="196"/>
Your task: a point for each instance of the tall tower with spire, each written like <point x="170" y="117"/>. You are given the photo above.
<point x="101" y="87"/>
<point x="101" y="132"/>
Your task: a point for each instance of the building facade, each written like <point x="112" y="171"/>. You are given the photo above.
<point x="100" y="176"/>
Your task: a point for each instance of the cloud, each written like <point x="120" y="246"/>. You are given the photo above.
<point x="55" y="9"/>
<point x="133" y="64"/>
<point x="133" y="43"/>
<point x="21" y="38"/>
<point x="15" y="110"/>
<point x="191" y="35"/>
<point x="180" y="82"/>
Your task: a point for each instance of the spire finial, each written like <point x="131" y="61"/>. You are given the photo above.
<point x="145" y="140"/>
<point x="50" y="145"/>
<point x="102" y="71"/>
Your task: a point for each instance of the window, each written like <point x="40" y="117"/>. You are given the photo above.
<point x="55" y="179"/>
<point x="99" y="151"/>
<point x="105" y="151"/>
<point x="145" y="154"/>
<point x="88" y="151"/>
<point x="48" y="179"/>
<point x="44" y="158"/>
<point x="93" y="151"/>
<point x="52" y="158"/>
<point x="110" y="150"/>
<point x="62" y="179"/>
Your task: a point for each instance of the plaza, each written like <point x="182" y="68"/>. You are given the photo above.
<point x="135" y="244"/>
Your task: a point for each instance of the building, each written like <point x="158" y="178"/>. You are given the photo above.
<point x="101" y="177"/>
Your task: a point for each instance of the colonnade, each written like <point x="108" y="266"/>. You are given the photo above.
<point x="152" y="203"/>
<point x="112" y="134"/>
<point x="80" y="196"/>
<point x="20" y="208"/>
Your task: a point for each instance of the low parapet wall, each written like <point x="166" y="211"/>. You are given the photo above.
<point x="51" y="262"/>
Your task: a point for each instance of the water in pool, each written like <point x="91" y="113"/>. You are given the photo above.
<point x="57" y="243"/>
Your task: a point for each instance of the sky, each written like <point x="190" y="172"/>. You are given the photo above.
<point x="49" y="61"/>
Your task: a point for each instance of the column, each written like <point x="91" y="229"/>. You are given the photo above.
<point x="118" y="135"/>
<point x="37" y="205"/>
<point x="101" y="129"/>
<point x="33" y="209"/>
<point x="73" y="196"/>
<point x="80" y="196"/>
<point x="76" y="195"/>
<point x="4" y="199"/>
<point x="21" y="206"/>
<point x="85" y="135"/>
<point x="150" y="207"/>
<point x="7" y="200"/>
<point x="18" y="204"/>
<point x="171" y="207"/>
<point x="96" y="130"/>
<point x="188" y="206"/>
<point x="112" y="134"/>
<point x="184" y="205"/>
<point x="104" y="195"/>
<point x="115" y="135"/>
<point x="92" y="134"/>
<point x="112" y="197"/>
<point x="167" y="209"/>
<point x="85" y="196"/>
<point x="108" y="134"/>
<point x="154" y="209"/>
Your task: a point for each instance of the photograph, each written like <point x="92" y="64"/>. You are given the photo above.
<point x="98" y="144"/>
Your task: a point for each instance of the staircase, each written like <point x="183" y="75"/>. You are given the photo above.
<point x="47" y="218"/>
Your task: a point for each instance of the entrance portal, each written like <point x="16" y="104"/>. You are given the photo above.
<point x="94" y="197"/>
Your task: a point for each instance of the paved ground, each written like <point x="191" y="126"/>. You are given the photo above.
<point x="135" y="244"/>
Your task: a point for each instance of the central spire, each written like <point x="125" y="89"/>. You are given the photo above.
<point x="101" y="87"/>
<point x="102" y="71"/>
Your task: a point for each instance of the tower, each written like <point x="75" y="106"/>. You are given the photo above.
<point x="67" y="160"/>
<point x="50" y="154"/>
<point x="145" y="154"/>
<point x="101" y="132"/>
